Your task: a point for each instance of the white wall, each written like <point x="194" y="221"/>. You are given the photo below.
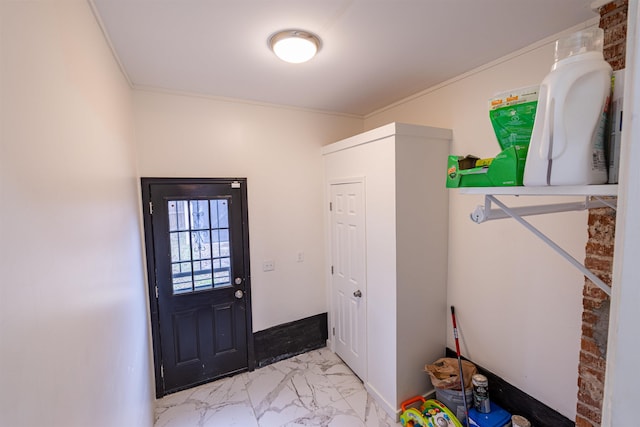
<point x="278" y="150"/>
<point x="620" y="404"/>
<point x="405" y="250"/>
<point x="375" y="162"/>
<point x="74" y="346"/>
<point x="518" y="303"/>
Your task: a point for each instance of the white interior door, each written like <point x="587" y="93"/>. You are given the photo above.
<point x="349" y="290"/>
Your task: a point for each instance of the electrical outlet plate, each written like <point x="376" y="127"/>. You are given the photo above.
<point x="268" y="265"/>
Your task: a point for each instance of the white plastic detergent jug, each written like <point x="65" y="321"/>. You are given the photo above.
<point x="567" y="142"/>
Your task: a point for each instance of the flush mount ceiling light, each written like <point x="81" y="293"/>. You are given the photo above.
<point x="295" y="46"/>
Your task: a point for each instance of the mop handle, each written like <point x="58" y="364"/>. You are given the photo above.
<point x="455" y="331"/>
<point x="455" y="336"/>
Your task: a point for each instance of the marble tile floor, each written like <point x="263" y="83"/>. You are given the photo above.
<point x="312" y="389"/>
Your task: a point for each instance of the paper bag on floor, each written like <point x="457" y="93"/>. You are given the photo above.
<point x="445" y="373"/>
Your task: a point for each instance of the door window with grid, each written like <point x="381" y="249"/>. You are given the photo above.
<point x="200" y="247"/>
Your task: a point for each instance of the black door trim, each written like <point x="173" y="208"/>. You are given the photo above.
<point x="151" y="267"/>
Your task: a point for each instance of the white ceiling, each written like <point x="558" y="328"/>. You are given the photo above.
<point x="374" y="52"/>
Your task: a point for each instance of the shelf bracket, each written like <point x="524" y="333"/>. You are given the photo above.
<point x="485" y="213"/>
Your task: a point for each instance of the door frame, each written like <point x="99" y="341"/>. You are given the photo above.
<point x="329" y="251"/>
<point x="151" y="267"/>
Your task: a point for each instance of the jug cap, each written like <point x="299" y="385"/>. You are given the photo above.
<point x="587" y="40"/>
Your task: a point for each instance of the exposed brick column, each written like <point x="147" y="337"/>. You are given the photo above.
<point x="613" y="20"/>
<point x="599" y="255"/>
<point x="595" y="318"/>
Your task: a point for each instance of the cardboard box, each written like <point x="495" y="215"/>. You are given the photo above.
<point x="506" y="169"/>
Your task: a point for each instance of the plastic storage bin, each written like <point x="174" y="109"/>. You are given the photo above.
<point x="498" y="417"/>
<point x="452" y="399"/>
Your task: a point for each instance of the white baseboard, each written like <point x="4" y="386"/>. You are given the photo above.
<point x="394" y="413"/>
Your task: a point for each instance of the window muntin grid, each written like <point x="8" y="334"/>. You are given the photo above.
<point x="200" y="246"/>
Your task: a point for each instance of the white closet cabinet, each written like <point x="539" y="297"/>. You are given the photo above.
<point x="401" y="171"/>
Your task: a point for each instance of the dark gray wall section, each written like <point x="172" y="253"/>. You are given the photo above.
<point x="517" y="402"/>
<point x="290" y="339"/>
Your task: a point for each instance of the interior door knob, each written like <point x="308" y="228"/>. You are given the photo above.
<point x="357" y="294"/>
<point x="239" y="294"/>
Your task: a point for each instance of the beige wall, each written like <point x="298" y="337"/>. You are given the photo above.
<point x="518" y="303"/>
<point x="73" y="319"/>
<point x="278" y="151"/>
<point x="74" y="346"/>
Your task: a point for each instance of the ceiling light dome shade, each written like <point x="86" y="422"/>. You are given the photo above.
<point x="295" y="46"/>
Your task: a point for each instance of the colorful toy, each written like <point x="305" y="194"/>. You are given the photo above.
<point x="438" y="415"/>
<point x="432" y="413"/>
<point x="412" y="417"/>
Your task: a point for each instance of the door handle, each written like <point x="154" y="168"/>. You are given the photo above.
<point x="239" y="294"/>
<point x="357" y="294"/>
